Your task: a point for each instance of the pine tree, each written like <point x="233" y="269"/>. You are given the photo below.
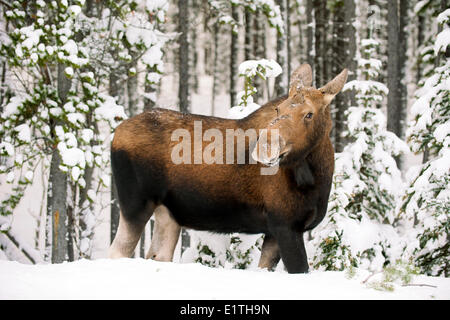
<point x="427" y="200"/>
<point x="281" y="83"/>
<point x="366" y="183"/>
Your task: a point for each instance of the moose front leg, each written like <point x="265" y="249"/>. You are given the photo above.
<point x="291" y="245"/>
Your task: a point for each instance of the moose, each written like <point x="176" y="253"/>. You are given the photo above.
<point x="227" y="198"/>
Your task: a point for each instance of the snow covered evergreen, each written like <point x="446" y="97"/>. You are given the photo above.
<point x="427" y="199"/>
<point x="56" y="102"/>
<point x="357" y="230"/>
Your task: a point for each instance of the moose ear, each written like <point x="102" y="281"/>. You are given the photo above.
<point x="333" y="87"/>
<point x="300" y="78"/>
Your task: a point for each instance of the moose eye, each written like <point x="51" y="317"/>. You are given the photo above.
<point x="309" y="115"/>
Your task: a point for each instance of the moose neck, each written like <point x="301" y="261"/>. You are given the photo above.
<point x="321" y="158"/>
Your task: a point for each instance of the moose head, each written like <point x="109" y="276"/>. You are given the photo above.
<point x="302" y="120"/>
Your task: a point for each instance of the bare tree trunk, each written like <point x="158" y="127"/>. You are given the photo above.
<point x="57" y="188"/>
<point x="183" y="28"/>
<point x="394" y="101"/>
<point x="215" y="66"/>
<point x="142" y="245"/>
<point x="344" y="57"/>
<point x="281" y="82"/>
<point x="234" y="58"/>
<point x="420" y="41"/>
<point x="350" y="35"/>
<point x="85" y="208"/>
<point x="185" y="240"/>
<point x="114" y="90"/>
<point x="248" y="49"/>
<point x="3" y="77"/>
<point x="310" y="33"/>
<point x="321" y="20"/>
<point x="339" y="52"/>
<point x="70" y="203"/>
<point x="301" y="54"/>
<point x="193" y="56"/>
<point x="56" y="209"/>
<point x="402" y="57"/>
<point x="288" y="42"/>
<point x="132" y="87"/>
<point x="37" y="239"/>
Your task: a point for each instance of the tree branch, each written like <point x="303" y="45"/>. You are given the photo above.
<point x="16" y="243"/>
<point x="418" y="285"/>
<point x="8" y="5"/>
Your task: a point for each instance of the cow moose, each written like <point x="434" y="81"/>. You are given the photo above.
<point x="227" y="198"/>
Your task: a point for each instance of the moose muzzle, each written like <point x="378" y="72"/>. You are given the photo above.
<point x="269" y="149"/>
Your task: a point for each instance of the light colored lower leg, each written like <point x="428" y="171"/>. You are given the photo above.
<point x="127" y="237"/>
<point x="270" y="254"/>
<point x="165" y="236"/>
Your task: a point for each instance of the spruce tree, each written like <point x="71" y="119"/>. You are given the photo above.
<point x="427" y="199"/>
<point x="358" y="230"/>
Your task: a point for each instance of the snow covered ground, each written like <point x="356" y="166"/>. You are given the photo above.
<point x="147" y="279"/>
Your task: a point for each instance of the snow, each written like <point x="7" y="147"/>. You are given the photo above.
<point x="442" y="41"/>
<point x="156" y="5"/>
<point x="239" y="112"/>
<point x="147" y="279"/>
<point x="250" y="68"/>
<point x="23" y="132"/>
<point x="69" y="72"/>
<point x="443" y="17"/>
<point x="12" y="108"/>
<point x="75" y="10"/>
<point x="110" y="111"/>
<point x="71" y="156"/>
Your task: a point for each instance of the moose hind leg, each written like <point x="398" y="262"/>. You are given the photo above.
<point x="129" y="232"/>
<point x="270" y="253"/>
<point x="165" y="236"/>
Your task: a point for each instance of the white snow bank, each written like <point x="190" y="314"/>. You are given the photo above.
<point x="147" y="279"/>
